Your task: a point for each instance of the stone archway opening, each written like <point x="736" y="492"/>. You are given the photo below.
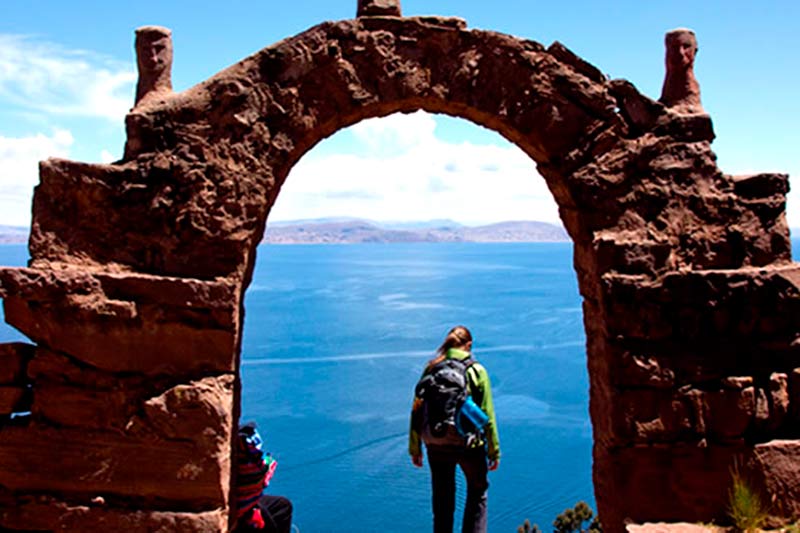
<point x="689" y="293"/>
<point x="335" y="338"/>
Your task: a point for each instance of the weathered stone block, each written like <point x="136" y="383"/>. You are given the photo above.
<point x="639" y="370"/>
<point x="189" y="331"/>
<point x="69" y="406"/>
<point x="689" y="128"/>
<point x="48" y="366"/>
<point x="650" y="416"/>
<point x="12" y="399"/>
<point x="631" y="256"/>
<point x="669" y="307"/>
<point x="569" y="57"/>
<point x="777" y="465"/>
<point x="14" y="357"/>
<point x="48" y="514"/>
<point x="772" y="403"/>
<point x="755" y="186"/>
<point x="201" y="411"/>
<point x="670" y="483"/>
<point x="639" y="111"/>
<point x="69" y="397"/>
<point x="779" y="398"/>
<point x="385" y="8"/>
<point x="794" y="396"/>
<point x="762" y="414"/>
<point x="110" y="463"/>
<point x="731" y="410"/>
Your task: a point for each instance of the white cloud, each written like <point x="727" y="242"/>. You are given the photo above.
<point x="399" y="132"/>
<point x="19" y="171"/>
<point x="404" y="172"/>
<point x="107" y="157"/>
<point x="47" y="77"/>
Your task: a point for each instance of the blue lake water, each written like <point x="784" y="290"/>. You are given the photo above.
<point x="335" y="338"/>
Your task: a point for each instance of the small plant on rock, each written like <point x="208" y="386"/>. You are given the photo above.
<point x="526" y="527"/>
<point x="746" y="509"/>
<point x="570" y="521"/>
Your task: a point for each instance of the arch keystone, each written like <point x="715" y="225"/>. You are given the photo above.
<point x="379" y="8"/>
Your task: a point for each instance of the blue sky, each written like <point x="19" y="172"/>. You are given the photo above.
<point x="67" y="72"/>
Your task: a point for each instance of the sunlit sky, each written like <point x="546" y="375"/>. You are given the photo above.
<point x="67" y="76"/>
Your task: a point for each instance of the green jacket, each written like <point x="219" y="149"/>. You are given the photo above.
<point x="481" y="391"/>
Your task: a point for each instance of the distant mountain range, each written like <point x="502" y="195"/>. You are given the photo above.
<point x="354" y="230"/>
<point x="13" y="234"/>
<point x="365" y="231"/>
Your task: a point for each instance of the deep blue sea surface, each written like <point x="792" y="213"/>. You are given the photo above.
<point x="335" y="338"/>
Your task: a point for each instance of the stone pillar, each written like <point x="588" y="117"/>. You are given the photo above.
<point x="154" y="59"/>
<point x="379" y="8"/>
<point x="681" y="90"/>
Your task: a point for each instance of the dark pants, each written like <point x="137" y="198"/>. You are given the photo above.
<point x="443" y="479"/>
<point x="277" y="514"/>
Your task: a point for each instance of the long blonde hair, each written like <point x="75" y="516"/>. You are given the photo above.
<point x="457" y="337"/>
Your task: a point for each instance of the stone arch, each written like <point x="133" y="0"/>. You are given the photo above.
<point x="133" y="295"/>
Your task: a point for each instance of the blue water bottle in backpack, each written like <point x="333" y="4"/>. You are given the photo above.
<point x="473" y="413"/>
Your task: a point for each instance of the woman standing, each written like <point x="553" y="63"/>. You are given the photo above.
<point x="475" y="456"/>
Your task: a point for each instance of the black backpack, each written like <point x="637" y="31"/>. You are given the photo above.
<point x="444" y="389"/>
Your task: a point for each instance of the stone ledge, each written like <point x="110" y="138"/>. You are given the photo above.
<point x="82" y="462"/>
<point x="50" y="514"/>
<point x="668" y="482"/>
<point x="44" y="284"/>
<point x="14" y="357"/>
<point x="766" y="185"/>
<point x="720" y="412"/>
<point x="667" y="307"/>
<point x="777" y="464"/>
<point x="11" y="399"/>
<point x="126" y="322"/>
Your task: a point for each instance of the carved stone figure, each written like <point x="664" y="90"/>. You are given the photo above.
<point x="681" y="90"/>
<point x="154" y="59"/>
<point x="379" y="8"/>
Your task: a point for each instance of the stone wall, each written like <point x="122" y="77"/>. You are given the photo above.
<point x="133" y="294"/>
<point x="130" y="390"/>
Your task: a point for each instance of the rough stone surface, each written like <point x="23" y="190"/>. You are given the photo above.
<point x="14" y="357"/>
<point x="794" y="397"/>
<point x="729" y="411"/>
<point x="12" y="400"/>
<point x="198" y="410"/>
<point x="691" y="301"/>
<point x="777" y="467"/>
<point x="125" y="323"/>
<point x="182" y="473"/>
<point x="669" y="483"/>
<point x="386" y="8"/>
<point x="48" y="514"/>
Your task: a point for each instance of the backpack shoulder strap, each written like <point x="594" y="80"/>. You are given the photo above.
<point x="472" y="371"/>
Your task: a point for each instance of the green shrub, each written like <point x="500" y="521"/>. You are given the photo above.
<point x="570" y="521"/>
<point x="528" y="528"/>
<point x="746" y="509"/>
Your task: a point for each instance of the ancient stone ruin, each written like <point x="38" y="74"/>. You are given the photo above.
<point x="133" y="295"/>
